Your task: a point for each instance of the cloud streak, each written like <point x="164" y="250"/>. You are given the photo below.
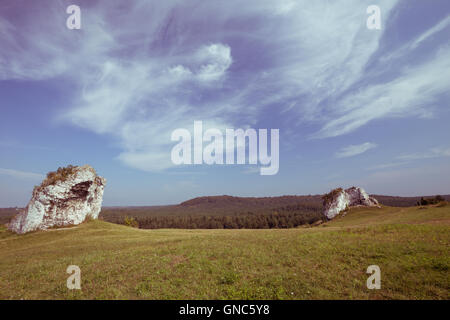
<point x="21" y="174"/>
<point x="354" y="150"/>
<point x="437" y="152"/>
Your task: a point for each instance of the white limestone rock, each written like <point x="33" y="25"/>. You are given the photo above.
<point x="63" y="199"/>
<point x="339" y="200"/>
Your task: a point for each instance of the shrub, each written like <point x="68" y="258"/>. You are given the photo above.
<point x="130" y="222"/>
<point x="88" y="218"/>
<point x="331" y="196"/>
<point x="435" y="200"/>
<point x="59" y="175"/>
<point x="442" y="204"/>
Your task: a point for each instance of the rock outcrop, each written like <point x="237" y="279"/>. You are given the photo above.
<point x="66" y="197"/>
<point x="339" y="200"/>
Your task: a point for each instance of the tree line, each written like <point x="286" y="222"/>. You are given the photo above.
<point x="286" y="217"/>
<point x="266" y="221"/>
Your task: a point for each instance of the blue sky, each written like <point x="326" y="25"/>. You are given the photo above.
<point x="354" y="106"/>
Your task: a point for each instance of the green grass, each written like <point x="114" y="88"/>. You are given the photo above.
<point x="411" y="246"/>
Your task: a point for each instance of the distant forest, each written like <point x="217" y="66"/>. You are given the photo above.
<point x="289" y="216"/>
<point x="227" y="212"/>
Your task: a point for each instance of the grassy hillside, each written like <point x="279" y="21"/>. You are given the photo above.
<point x="411" y="246"/>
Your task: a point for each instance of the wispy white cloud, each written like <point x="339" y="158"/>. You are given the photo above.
<point x="19" y="145"/>
<point x="215" y="59"/>
<point x="411" y="181"/>
<point x="387" y="165"/>
<point x="139" y="84"/>
<point x="407" y="159"/>
<point x="354" y="150"/>
<point x="437" y="152"/>
<point x="440" y="26"/>
<point x="415" y="43"/>
<point x="411" y="94"/>
<point x="21" y="174"/>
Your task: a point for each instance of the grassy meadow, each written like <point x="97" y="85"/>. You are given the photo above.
<point x="329" y="261"/>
